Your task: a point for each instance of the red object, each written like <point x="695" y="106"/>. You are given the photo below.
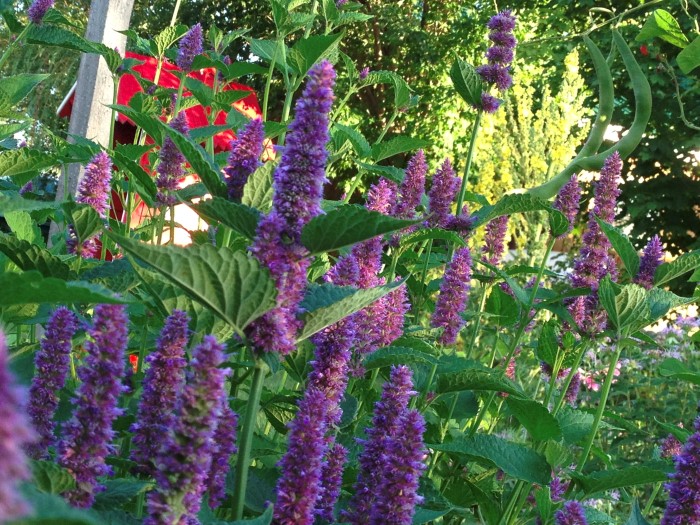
<point x="134" y="361"/>
<point x="644" y="50"/>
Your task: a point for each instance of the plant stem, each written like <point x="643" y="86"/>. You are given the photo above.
<point x="468" y="165"/>
<point x="13" y="43"/>
<point x="268" y="83"/>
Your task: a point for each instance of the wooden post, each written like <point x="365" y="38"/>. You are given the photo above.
<point x="90" y="117"/>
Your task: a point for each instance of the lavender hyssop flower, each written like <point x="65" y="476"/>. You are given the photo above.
<point x="38" y="9"/>
<point x="571" y="514"/>
<point x="95" y="186"/>
<point x="171" y="165"/>
<point x="499" y="57"/>
<point x="190" y="46"/>
<point x="650" y="261"/>
<point x="568" y="201"/>
<point x="453" y="296"/>
<point x="683" y="507"/>
<point x="244" y="158"/>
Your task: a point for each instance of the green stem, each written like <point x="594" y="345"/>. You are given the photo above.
<point x="268" y="83"/>
<point x="468" y="165"/>
<point x="424" y="273"/>
<point x="175" y="11"/>
<point x="654" y="493"/>
<point x="389" y="123"/>
<point x="246" y="439"/>
<point x="13" y="44"/>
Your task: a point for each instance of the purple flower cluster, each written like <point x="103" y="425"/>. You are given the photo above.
<point x="570" y="514"/>
<point x="224" y="448"/>
<point x="162" y="384"/>
<point x="441" y="194"/>
<point x="94" y="187"/>
<point x="453" y="296"/>
<point x="412" y="187"/>
<point x="651" y="259"/>
<point x="190" y="46"/>
<point x="51" y="365"/>
<point x="568" y="201"/>
<point x="332" y="476"/>
<point x="671" y="447"/>
<point x="38" y="9"/>
<point x="244" y="158"/>
<point x="683" y="505"/>
<point x="184" y="461"/>
<point x="15" y="434"/>
<point x="298" y="188"/>
<point x="171" y="165"/>
<point x="494" y="240"/>
<point x="88" y="435"/>
<point x="499" y="57"/>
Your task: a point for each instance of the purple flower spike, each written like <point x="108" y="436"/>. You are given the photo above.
<point x="494" y="240"/>
<point x="298" y="188"/>
<point x="332" y="476"/>
<point x="412" y="187"/>
<point x="651" y="259"/>
<point x="683" y="507"/>
<point x="671" y="447"/>
<point x="15" y="434"/>
<point x="574" y="387"/>
<point x="185" y="458"/>
<point x="162" y="383"/>
<point x="489" y="103"/>
<point x="571" y="514"/>
<point x="499" y="56"/>
<point x="364" y="72"/>
<point x="224" y="448"/>
<point x="441" y="195"/>
<point x="94" y="187"/>
<point x="171" y="165"/>
<point x="88" y="435"/>
<point x="453" y="296"/>
<point x="190" y="46"/>
<point x="503" y="21"/>
<point x="244" y="158"/>
<point x="51" y="364"/>
<point x="607" y="190"/>
<point x="568" y="201"/>
<point x="397" y="495"/>
<point x="38" y="9"/>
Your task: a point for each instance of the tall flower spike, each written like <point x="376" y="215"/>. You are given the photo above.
<point x="568" y="201"/>
<point x="38" y="9"/>
<point x="88" y="435"/>
<point x="499" y="56"/>
<point x="453" y="296"/>
<point x="494" y="240"/>
<point x="171" y="165"/>
<point x="298" y="188"/>
<point x="683" y="507"/>
<point x="51" y="364"/>
<point x="571" y="514"/>
<point x="15" y="434"/>
<point x="412" y="187"/>
<point x="162" y="384"/>
<point x="651" y="259"/>
<point x="441" y="194"/>
<point x="244" y="158"/>
<point x="94" y="187"/>
<point x="190" y="46"/>
<point x="185" y="459"/>
<point x="224" y="448"/>
<point x="332" y="476"/>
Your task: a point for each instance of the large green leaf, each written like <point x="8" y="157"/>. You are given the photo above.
<point x="683" y="264"/>
<point x="514" y="459"/>
<point x="33" y="288"/>
<point x="467" y="82"/>
<point x="24" y="227"/>
<point x="257" y="192"/>
<point x="661" y="24"/>
<point x="346" y="226"/>
<point x="689" y="58"/>
<point x="622" y="246"/>
<point x="85" y="220"/>
<point x="50" y="509"/>
<point x="308" y="51"/>
<point x="358" y="141"/>
<point x="238" y="217"/>
<point x="51" y="478"/>
<point x="402" y="93"/>
<point x="29" y="256"/>
<point x="151" y="124"/>
<point x="231" y="284"/>
<point x="535" y="417"/>
<point x="120" y="491"/>
<point x="636" y="517"/>
<point x="16" y="87"/>
<point x="50" y="35"/>
<point x="622" y="477"/>
<point x="516" y="203"/>
<point x="626" y="305"/>
<point x="269" y="50"/>
<point x="574" y="424"/>
<point x="396" y="145"/>
<point x="22" y="164"/>
<point x="476" y="379"/>
<point x="548" y="341"/>
<point x="397" y="355"/>
<point x="676" y="369"/>
<point x="426" y="234"/>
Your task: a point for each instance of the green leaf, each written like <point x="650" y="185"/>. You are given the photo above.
<point x="636" y="517"/>
<point x="427" y="515"/>
<point x="548" y="342"/>
<point x="116" y="517"/>
<point x="683" y="264"/>
<point x="662" y="301"/>
<point x="622" y="246"/>
<point x="467" y="82"/>
<point x="266" y="49"/>
<point x="16" y="87"/>
<point x="358" y="141"/>
<point x="86" y="221"/>
<point x="402" y="93"/>
<point x="397" y="355"/>
<point x="503" y="307"/>
<point x="12" y="202"/>
<point x="622" y="477"/>
<point x="231" y="284"/>
<point x="661" y="24"/>
<point x="676" y="369"/>
<point x="23" y="226"/>
<point x="689" y="58"/>
<point x="515" y="203"/>
<point x="152" y="125"/>
<point x="167" y="37"/>
<point x="311" y="50"/>
<point x="23" y="164"/>
<point x="257" y="192"/>
<point x="50" y="509"/>
<point x="8" y="130"/>
<point x="223" y="101"/>
<point x="238" y="217"/>
<point x="626" y="305"/>
<point x="29" y="256"/>
<point x="535" y="417"/>
<point x="47" y="35"/>
<point x="348" y="225"/>
<point x="143" y="183"/>
<point x="50" y="478"/>
<point x="398" y="144"/>
<point x="476" y="379"/>
<point x="426" y="234"/>
<point x="321" y="312"/>
<point x="574" y="424"/>
<point x="514" y="459"/>
<point x="203" y="93"/>
<point x="32" y="288"/>
<point x="120" y="491"/>
<point x="264" y="519"/>
<point x="390" y="172"/>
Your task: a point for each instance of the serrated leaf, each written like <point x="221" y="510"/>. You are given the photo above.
<point x="13" y="202"/>
<point x="51" y="478"/>
<point x="224" y="100"/>
<point x="689" y="58"/>
<point x="322" y="313"/>
<point x="117" y="275"/>
<point x="636" y="517"/>
<point x="396" y="355"/>
<point x="16" y="87"/>
<point x="548" y="342"/>
<point x="29" y="256"/>
<point x="514" y="459"/>
<point x="514" y="203"/>
<point x="402" y="93"/>
<point x="23" y="164"/>
<point x="672" y="367"/>
<point x="264" y="519"/>
<point x="427" y="515"/>
<point x="535" y="417"/>
<point x="396" y="145"/>
<point x="622" y="246"/>
<point x="149" y="123"/>
<point x="426" y="234"/>
<point x="238" y="217"/>
<point x="476" y="379"/>
<point x="257" y="192"/>
<point x="390" y="172"/>
<point x="267" y="49"/>
<point x="33" y="288"/>
<point x="467" y="82"/>
<point x="231" y="284"/>
<point x="621" y="477"/>
<point x="309" y="51"/>
<point x="167" y="37"/>
<point x="142" y="181"/>
<point x="661" y="24"/>
<point x="574" y="424"/>
<point x="503" y="307"/>
<point x="626" y="305"/>
<point x="49" y="35"/>
<point x="348" y="225"/>
<point x="358" y="141"/>
<point x="683" y="264"/>
<point x="85" y="220"/>
<point x="24" y="227"/>
<point x="120" y="491"/>
<point x="50" y="509"/>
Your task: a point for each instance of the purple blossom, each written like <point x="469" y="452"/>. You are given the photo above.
<point x="571" y="394"/>
<point x="364" y="72"/>
<point x="557" y="488"/>
<point x="671" y="447"/>
<point x="683" y="506"/>
<point x="171" y="164"/>
<point x="453" y="296"/>
<point x="441" y="194"/>
<point x="499" y="57"/>
<point x="224" y="448"/>
<point x="190" y="46"/>
<point x="462" y="223"/>
<point x="496" y="75"/>
<point x="162" y="384"/>
<point x="88" y="249"/>
<point x="38" y="9"/>
<point x="489" y="103"/>
<point x="332" y="476"/>
<point x="568" y="201"/>
<point x="298" y="188"/>
<point x="571" y="514"/>
<point x="386" y="424"/>
<point x="244" y="158"/>
<point x="15" y="434"/>
<point x="27" y="188"/>
<point x="494" y="240"/>
<point x="88" y="435"/>
<point x="412" y="187"/>
<point x="381" y="323"/>
<point x="185" y="458"/>
<point x="651" y="259"/>
<point x="503" y="21"/>
<point x="94" y="187"/>
<point x="51" y="364"/>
